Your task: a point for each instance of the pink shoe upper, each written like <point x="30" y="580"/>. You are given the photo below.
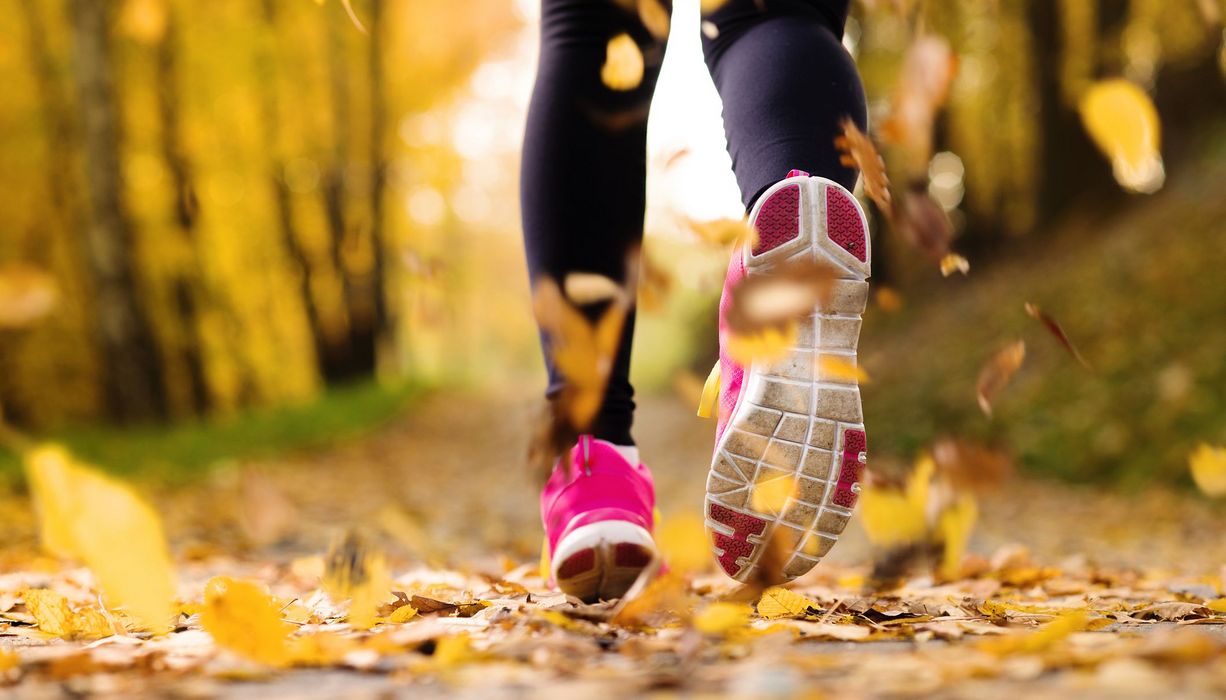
<point x="594" y="483"/>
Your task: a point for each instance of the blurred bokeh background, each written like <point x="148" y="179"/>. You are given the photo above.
<point x="241" y="228"/>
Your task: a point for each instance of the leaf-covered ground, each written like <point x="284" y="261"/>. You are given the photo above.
<point x="1068" y="591"/>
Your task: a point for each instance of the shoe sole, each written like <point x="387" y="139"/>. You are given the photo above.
<point x="793" y="419"/>
<point x="601" y="561"/>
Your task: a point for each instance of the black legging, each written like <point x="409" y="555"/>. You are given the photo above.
<point x="785" y="80"/>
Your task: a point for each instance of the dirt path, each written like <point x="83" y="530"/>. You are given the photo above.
<point x="445" y="491"/>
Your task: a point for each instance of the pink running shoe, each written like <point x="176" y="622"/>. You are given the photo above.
<point x="786" y="419"/>
<point x="598" y="509"/>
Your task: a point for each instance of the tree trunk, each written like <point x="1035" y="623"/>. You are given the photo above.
<point x="382" y="324"/>
<point x="189" y="292"/>
<point x="133" y="377"/>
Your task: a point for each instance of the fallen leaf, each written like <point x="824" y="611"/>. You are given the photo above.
<point x="623" y="65"/>
<point x="356" y="570"/>
<point x="997" y="373"/>
<point x="243" y="618"/>
<point x="720" y="618"/>
<point x="777" y="603"/>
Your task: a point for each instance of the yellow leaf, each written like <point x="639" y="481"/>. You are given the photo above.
<point x="772" y="496"/>
<point x="320" y="648"/>
<point x="243" y="618"/>
<point x="952" y="262"/>
<point x="357" y="571"/>
<point x="721" y="618"/>
<point x="1043" y="638"/>
<point x="889" y="300"/>
<point x="589" y="288"/>
<point x="683" y="544"/>
<point x="54" y="615"/>
<point x="779" y="602"/>
<point x="1218" y="605"/>
<point x="954" y="526"/>
<point x="722" y="232"/>
<point x="653" y="16"/>
<point x="8" y="661"/>
<point x="891" y="517"/>
<point x="455" y="650"/>
<point x="770" y="343"/>
<point x="51" y="611"/>
<point x="110" y="529"/>
<point x="709" y="6"/>
<point x="710" y="393"/>
<point x="404" y="613"/>
<point x="1208" y="466"/>
<point x="623" y="64"/>
<point x="837" y="368"/>
<point x="1124" y="124"/>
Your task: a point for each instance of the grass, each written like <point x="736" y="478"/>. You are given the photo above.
<point x="182" y="452"/>
<point x="1140" y="291"/>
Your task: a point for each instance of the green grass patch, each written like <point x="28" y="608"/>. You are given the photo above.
<point x="180" y="452"/>
<point x="1140" y="291"/>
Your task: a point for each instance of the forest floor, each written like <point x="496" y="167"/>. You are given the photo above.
<point x="1069" y="591"/>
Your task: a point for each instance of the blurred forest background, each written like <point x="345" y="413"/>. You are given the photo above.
<point x="237" y="225"/>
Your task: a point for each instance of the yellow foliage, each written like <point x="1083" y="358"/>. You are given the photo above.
<point x="891" y="517"/>
<point x="357" y="571"/>
<point x="954" y="526"/>
<point x="770" y="343"/>
<point x="8" y="660"/>
<point x="243" y="618"/>
<point x="720" y="618"/>
<point x="779" y="602"/>
<point x="1041" y="639"/>
<point x="709" y="401"/>
<point x="682" y="541"/>
<point x="840" y="369"/>
<point x="404" y="613"/>
<point x="102" y="522"/>
<point x="455" y="650"/>
<point x="1124" y="124"/>
<point x="952" y="262"/>
<point x="623" y="64"/>
<point x="771" y="496"/>
<point x="1208" y="466"/>
<point x="55" y="616"/>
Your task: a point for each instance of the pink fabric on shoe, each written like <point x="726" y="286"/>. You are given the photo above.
<point x="595" y="483"/>
<point x="731" y="373"/>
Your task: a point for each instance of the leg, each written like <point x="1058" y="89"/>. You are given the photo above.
<point x="786" y="82"/>
<point x="583" y="179"/>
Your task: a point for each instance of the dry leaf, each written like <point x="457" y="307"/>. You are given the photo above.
<point x="1124" y="125"/>
<point x="723" y="232"/>
<point x="856" y="150"/>
<point x="1054" y="328"/>
<point x="952" y="262"/>
<point x="969" y="466"/>
<point x="102" y="522"/>
<point x="682" y="541"/>
<point x="654" y="17"/>
<point x="779" y="602"/>
<point x="1208" y="467"/>
<point x="836" y="368"/>
<point x="922" y="223"/>
<point x="356" y="570"/>
<point x="888" y="300"/>
<point x="793" y="290"/>
<point x="243" y="618"/>
<point x="721" y="618"/>
<point x="997" y="373"/>
<point x="623" y="64"/>
<point x="928" y="70"/>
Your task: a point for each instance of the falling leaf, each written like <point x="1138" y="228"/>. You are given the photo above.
<point x="888" y="300"/>
<point x="791" y="292"/>
<point x="952" y="262"/>
<point x="922" y="223"/>
<point x="856" y="150"/>
<point x="954" y="526"/>
<point x="623" y="64"/>
<point x="723" y="232"/>
<point x="771" y="496"/>
<point x="102" y="522"/>
<point x="720" y="618"/>
<point x="779" y="602"/>
<point x="682" y="540"/>
<point x="654" y="17"/>
<point x="928" y="70"/>
<point x="706" y="7"/>
<point x="837" y="368"/>
<point x="27" y="294"/>
<point x="762" y="346"/>
<point x="144" y="20"/>
<point x="357" y="571"/>
<point x="589" y="288"/>
<point x="709" y="29"/>
<point x="708" y="400"/>
<point x="997" y="373"/>
<point x="1208" y="467"/>
<point x="891" y="516"/>
<point x="969" y="466"/>
<point x="1054" y="328"/>
<point x="243" y="618"/>
<point x="1124" y="125"/>
<point x="655" y="284"/>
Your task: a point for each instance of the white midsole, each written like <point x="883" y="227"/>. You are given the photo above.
<point x="592" y="535"/>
